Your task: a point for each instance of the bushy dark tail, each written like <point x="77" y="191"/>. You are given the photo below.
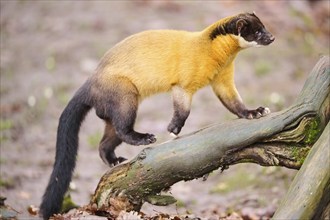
<point x="66" y="152"/>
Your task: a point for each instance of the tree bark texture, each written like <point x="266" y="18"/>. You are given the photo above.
<point x="309" y="193"/>
<point x="280" y="139"/>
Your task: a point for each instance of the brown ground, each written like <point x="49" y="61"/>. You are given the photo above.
<point x="49" y="48"/>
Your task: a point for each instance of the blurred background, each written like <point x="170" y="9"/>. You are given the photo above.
<point x="49" y="48"/>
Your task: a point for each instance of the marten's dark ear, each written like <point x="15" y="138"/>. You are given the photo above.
<point x="240" y="24"/>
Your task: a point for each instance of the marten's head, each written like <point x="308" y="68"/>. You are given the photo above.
<point x="246" y="28"/>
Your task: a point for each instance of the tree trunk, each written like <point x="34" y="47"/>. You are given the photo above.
<point x="279" y="139"/>
<point x="309" y="193"/>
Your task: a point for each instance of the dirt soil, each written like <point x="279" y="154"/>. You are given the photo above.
<point x="49" y="48"/>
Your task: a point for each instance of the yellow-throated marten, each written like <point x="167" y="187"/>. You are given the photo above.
<point x="144" y="64"/>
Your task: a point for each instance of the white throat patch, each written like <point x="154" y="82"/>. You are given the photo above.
<point x="245" y="44"/>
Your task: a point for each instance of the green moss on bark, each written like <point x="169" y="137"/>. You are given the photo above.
<point x="312" y="131"/>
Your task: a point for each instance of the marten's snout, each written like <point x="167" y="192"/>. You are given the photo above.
<point x="267" y="39"/>
<point x="270" y="40"/>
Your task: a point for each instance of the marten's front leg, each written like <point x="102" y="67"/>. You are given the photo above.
<point x="181" y="104"/>
<point x="224" y="87"/>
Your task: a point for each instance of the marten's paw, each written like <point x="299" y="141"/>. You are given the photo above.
<point x="257" y="113"/>
<point x="116" y="161"/>
<point x="111" y="159"/>
<point x="136" y="138"/>
<point x="148" y="139"/>
<point x="174" y="129"/>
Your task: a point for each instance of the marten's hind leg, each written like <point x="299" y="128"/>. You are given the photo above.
<point x="108" y="145"/>
<point x="118" y="103"/>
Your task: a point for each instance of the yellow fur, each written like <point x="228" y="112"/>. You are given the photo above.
<point x="155" y="61"/>
<point x="223" y="85"/>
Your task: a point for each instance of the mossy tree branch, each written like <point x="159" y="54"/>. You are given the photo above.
<point x="279" y="139"/>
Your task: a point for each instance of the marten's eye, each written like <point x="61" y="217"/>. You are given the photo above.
<point x="258" y="34"/>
